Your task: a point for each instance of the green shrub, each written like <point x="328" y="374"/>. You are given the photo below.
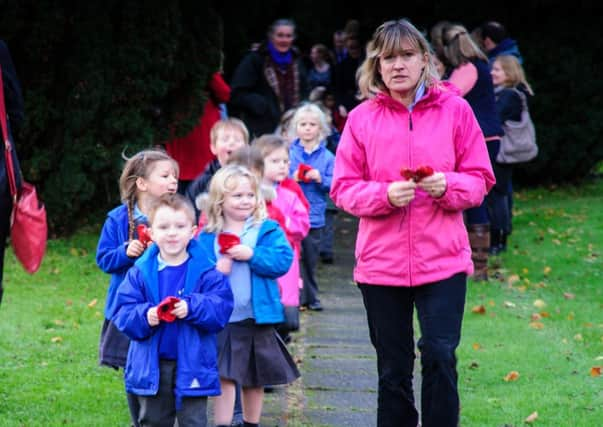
<point x="100" y="79"/>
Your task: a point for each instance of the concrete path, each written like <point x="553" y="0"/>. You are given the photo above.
<point x="338" y="385"/>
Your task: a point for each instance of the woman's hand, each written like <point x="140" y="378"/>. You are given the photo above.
<point x="400" y="193"/>
<point x="434" y="185"/>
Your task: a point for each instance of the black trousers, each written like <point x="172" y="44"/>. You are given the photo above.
<point x="160" y="410"/>
<point x="6" y="206"/>
<point x="309" y="260"/>
<point x="440" y="308"/>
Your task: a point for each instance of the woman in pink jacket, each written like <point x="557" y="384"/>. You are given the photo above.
<point x="411" y="158"/>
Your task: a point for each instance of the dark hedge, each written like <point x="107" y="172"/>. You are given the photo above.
<point x="101" y="79"/>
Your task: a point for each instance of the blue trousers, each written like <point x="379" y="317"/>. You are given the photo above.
<point x="389" y="311"/>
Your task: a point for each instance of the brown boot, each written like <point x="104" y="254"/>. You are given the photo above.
<point x="479" y="238"/>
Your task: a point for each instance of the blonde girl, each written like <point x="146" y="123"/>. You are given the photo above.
<point x="145" y="176"/>
<point x="251" y="353"/>
<point x="311" y="165"/>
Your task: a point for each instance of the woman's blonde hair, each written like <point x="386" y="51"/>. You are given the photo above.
<point x="514" y="72"/>
<point x="389" y="39"/>
<point x="459" y="46"/>
<point x="140" y="165"/>
<point x="223" y="182"/>
<point x="312" y="108"/>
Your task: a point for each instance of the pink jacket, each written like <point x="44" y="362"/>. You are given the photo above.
<point x="425" y="241"/>
<point x="297" y="221"/>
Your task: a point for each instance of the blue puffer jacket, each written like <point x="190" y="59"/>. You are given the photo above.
<point x="272" y="257"/>
<point x="111" y="253"/>
<point x="210" y="304"/>
<point x="316" y="193"/>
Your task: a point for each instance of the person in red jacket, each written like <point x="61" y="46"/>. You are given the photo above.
<point x="192" y="152"/>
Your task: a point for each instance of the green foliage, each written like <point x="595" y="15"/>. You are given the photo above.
<point x="100" y="79"/>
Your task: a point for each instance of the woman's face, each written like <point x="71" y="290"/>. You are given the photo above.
<point x="499" y="77"/>
<point x="401" y="71"/>
<point x="282" y="38"/>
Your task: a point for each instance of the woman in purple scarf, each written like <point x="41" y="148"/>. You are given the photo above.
<point x="269" y="80"/>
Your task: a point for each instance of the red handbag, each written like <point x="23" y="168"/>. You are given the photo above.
<point x="29" y="231"/>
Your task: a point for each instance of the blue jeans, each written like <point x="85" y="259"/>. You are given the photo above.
<point x="389" y="311"/>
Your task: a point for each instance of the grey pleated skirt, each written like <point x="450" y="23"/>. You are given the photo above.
<point x="254" y="355"/>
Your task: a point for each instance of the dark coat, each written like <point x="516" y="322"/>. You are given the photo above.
<point x="253" y="99"/>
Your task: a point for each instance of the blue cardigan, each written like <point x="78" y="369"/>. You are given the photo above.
<point x="111" y="253"/>
<point x="210" y="304"/>
<point x="272" y="257"/>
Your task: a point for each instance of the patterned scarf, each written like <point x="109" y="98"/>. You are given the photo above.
<point x="284" y="83"/>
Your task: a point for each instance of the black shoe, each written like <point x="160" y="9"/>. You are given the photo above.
<point x="327" y="260"/>
<point x="315" y="306"/>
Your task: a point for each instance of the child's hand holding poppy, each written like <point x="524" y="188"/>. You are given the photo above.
<point x="152" y="316"/>
<point x="180" y="309"/>
<point x="240" y="252"/>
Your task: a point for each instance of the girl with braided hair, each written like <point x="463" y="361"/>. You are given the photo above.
<point x="145" y="177"/>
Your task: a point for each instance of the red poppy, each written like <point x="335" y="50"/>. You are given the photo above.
<point x="143" y="234"/>
<point x="165" y="307"/>
<point x="417" y="174"/>
<point x="227" y="241"/>
<point x="302" y="170"/>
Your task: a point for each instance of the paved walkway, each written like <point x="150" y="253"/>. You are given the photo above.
<point x="338" y="385"/>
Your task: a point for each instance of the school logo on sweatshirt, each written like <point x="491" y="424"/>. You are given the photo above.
<point x="195" y="383"/>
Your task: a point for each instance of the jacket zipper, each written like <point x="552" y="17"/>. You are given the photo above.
<point x="409" y="214"/>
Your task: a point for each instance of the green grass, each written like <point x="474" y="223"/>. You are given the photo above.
<point x="49" y="373"/>
<point x="49" y="327"/>
<point x="555" y="256"/>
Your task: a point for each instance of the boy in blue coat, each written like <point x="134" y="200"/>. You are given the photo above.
<point x="171" y="305"/>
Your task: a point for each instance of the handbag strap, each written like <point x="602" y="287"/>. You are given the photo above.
<point x="10" y="170"/>
<point x="524" y="100"/>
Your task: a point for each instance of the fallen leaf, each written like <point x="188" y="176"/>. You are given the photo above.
<point x="491" y="303"/>
<point x="556" y="241"/>
<point x="570" y="316"/>
<point x="536" y="316"/>
<point x="514" y="278"/>
<point x="509" y="304"/>
<point x="56" y="339"/>
<point x="476" y="346"/>
<point x="532" y="417"/>
<point x="539" y="303"/>
<point x="511" y="376"/>
<point x="546" y="270"/>
<point x="568" y="295"/>
<point x="545" y="314"/>
<point x="479" y="309"/>
<point x="92" y="303"/>
<point x="595" y="371"/>
<point x="69" y="302"/>
<point x="578" y="337"/>
<point x="537" y="325"/>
